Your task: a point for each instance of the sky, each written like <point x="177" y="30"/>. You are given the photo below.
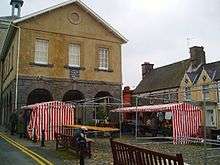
<point x="159" y="31"/>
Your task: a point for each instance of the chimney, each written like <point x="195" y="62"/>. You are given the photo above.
<point x="16" y="4"/>
<point x="197" y="56"/>
<point x="146" y="68"/>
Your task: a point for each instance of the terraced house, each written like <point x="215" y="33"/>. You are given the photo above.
<point x="65" y="52"/>
<point x="200" y="83"/>
<point x="191" y="80"/>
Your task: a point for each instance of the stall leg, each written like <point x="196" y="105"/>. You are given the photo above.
<point x="43" y="138"/>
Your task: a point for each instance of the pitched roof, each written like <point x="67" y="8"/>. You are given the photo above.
<point x="84" y="6"/>
<point x="194" y="75"/>
<point x="166" y="77"/>
<point x="212" y="69"/>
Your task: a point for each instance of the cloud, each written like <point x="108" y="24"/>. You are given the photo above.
<point x="157" y="29"/>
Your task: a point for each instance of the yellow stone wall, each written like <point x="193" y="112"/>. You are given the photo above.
<point x="197" y="92"/>
<point x="55" y="27"/>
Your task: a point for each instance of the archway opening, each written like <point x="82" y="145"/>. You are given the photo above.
<point x="102" y="112"/>
<point x="39" y="96"/>
<point x="73" y="95"/>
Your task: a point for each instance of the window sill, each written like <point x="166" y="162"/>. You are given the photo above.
<point x="42" y="65"/>
<point x="103" y="70"/>
<point x="74" y="67"/>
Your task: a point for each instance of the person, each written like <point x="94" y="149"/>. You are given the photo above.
<point x="20" y="125"/>
<point x="154" y="125"/>
<point x="13" y="122"/>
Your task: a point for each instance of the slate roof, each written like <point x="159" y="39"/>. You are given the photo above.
<point x="213" y="69"/>
<point x="166" y="77"/>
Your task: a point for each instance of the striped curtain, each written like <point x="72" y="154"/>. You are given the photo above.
<point x="50" y="117"/>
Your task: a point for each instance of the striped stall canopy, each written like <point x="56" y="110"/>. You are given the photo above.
<point x="50" y="117"/>
<point x="186" y="118"/>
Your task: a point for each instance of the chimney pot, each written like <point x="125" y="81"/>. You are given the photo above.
<point x="146" y="68"/>
<point x="197" y="56"/>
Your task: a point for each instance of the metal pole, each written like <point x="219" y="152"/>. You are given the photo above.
<point x="95" y="115"/>
<point x="83" y="115"/>
<point x="120" y="122"/>
<point x="205" y="147"/>
<point x="136" y="126"/>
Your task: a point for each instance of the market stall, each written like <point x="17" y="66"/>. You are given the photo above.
<point x="186" y="118"/>
<point x="48" y="116"/>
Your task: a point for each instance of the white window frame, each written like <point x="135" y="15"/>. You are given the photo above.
<point x="41" y="51"/>
<point x="213" y="120"/>
<point x="188" y="94"/>
<point x="205" y="91"/>
<point x="103" y="58"/>
<point x="74" y="55"/>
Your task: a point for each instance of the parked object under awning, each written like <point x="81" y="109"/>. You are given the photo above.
<point x="48" y="116"/>
<point x="186" y="118"/>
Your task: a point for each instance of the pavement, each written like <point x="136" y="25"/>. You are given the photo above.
<point x="14" y="150"/>
<point x="32" y="153"/>
<point x="11" y="155"/>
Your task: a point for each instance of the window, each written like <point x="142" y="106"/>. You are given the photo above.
<point x="41" y="51"/>
<point x="205" y="89"/>
<point x="166" y="97"/>
<point x="103" y="58"/>
<point x="188" y="95"/>
<point x="210" y="118"/>
<point x="74" y="55"/>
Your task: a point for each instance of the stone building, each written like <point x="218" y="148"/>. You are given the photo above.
<point x="65" y="52"/>
<point x="191" y="80"/>
<point x="200" y="83"/>
<point x="160" y="85"/>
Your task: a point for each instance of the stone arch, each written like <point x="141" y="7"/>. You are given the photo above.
<point x="102" y="94"/>
<point x="39" y="96"/>
<point x="73" y="95"/>
<point x="102" y="111"/>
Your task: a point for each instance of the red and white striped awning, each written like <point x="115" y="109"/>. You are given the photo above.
<point x="186" y="118"/>
<point x="49" y="116"/>
<point x="158" y="108"/>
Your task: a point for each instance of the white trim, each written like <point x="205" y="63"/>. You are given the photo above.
<point x="90" y="11"/>
<point x="74" y="57"/>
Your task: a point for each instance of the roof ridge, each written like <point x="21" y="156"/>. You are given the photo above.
<point x="172" y="64"/>
<point x="213" y="62"/>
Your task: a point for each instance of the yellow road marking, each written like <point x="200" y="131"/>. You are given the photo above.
<point x="39" y="159"/>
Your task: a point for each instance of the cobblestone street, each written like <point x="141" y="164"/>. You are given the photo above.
<point x="101" y="151"/>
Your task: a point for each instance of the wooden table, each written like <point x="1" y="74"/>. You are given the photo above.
<point x="94" y="128"/>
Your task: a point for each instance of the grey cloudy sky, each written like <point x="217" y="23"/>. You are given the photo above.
<point x="157" y="29"/>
